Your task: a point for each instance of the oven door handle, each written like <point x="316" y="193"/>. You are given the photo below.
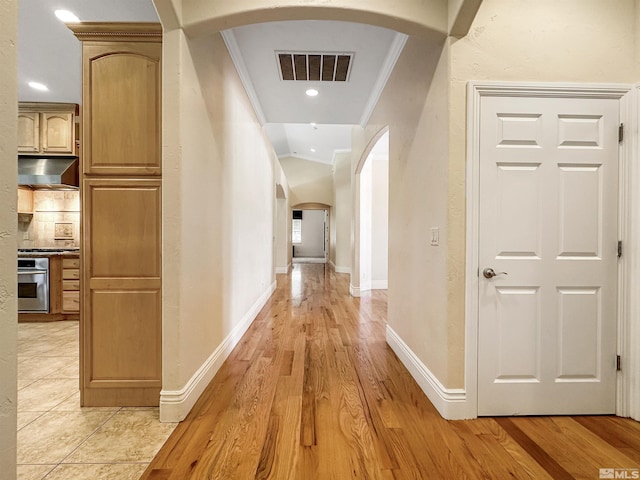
<point x="33" y="272"/>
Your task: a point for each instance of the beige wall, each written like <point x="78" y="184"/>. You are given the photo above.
<point x="309" y="182"/>
<point x="218" y="206"/>
<point x="341" y="226"/>
<point x="282" y="221"/>
<point x="414" y="106"/>
<point x="424" y="105"/>
<point x="380" y="221"/>
<point x="532" y="41"/>
<point x="332" y="234"/>
<point x="8" y="243"/>
<point x="283" y="237"/>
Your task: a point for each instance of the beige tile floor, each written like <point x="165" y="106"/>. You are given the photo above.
<point x="59" y="440"/>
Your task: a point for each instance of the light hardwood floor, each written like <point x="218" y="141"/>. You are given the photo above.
<point x="313" y="392"/>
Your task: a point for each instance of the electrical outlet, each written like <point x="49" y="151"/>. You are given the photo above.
<point x="25" y="235"/>
<point x="435" y="236"/>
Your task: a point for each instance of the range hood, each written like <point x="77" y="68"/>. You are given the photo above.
<point x="48" y="172"/>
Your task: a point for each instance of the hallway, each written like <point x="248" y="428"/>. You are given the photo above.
<point x="313" y="392"/>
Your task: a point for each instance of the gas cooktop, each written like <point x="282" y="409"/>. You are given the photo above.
<point x="47" y="250"/>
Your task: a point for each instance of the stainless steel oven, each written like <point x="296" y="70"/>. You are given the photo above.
<point x="33" y="285"/>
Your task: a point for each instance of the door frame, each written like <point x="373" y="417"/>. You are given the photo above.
<point x="628" y="379"/>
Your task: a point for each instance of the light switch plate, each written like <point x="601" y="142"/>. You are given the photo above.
<point x="435" y="236"/>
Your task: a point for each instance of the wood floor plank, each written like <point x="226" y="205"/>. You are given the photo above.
<point x="619" y="433"/>
<point x="313" y="391"/>
<point x="496" y="438"/>
<point x="496" y="456"/>
<point x="538" y="453"/>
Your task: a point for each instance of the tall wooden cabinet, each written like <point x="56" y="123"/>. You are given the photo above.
<point x="121" y="303"/>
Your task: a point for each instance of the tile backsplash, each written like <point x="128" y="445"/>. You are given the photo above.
<point x="55" y="222"/>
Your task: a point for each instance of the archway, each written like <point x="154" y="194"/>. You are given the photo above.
<point x="186" y="70"/>
<point x="371" y="215"/>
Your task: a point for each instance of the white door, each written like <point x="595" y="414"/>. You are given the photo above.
<point x="548" y="218"/>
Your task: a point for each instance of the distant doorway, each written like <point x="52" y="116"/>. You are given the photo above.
<point x="309" y="236"/>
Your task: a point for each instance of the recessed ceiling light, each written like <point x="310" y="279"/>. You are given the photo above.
<point x="38" y="86"/>
<point x="312" y="92"/>
<point x="66" y="16"/>
<point x="313" y="124"/>
<point x="313" y="149"/>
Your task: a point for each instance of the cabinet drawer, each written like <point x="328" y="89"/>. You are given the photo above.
<point x="70" y="263"/>
<point x="70" y="301"/>
<point x="70" y="274"/>
<point x="70" y="285"/>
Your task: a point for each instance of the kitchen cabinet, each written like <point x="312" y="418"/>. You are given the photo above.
<point x="28" y="132"/>
<point x="25" y="200"/>
<point x="121" y="245"/>
<point x="47" y="128"/>
<point x="122" y="96"/>
<point x="64" y="290"/>
<point x="71" y="285"/>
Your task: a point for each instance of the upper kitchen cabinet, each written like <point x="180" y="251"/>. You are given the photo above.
<point x="25" y="200"/>
<point x="121" y="98"/>
<point x="47" y="128"/>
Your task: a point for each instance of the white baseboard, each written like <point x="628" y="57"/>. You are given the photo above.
<point x="176" y="404"/>
<point x="283" y="270"/>
<point x="341" y="269"/>
<point x="309" y="260"/>
<point x="451" y="403"/>
<point x="379" y="284"/>
<point x="368" y="286"/>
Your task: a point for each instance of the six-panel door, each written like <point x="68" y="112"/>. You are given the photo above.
<point x="548" y="219"/>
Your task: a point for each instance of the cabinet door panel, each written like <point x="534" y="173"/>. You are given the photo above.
<point x="123" y="225"/>
<point x="57" y="133"/>
<point x="122" y="108"/>
<point x="25" y="200"/>
<point x="70" y="302"/>
<point x="70" y="263"/>
<point x="70" y="285"/>
<point x="70" y="274"/>
<point x="121" y="292"/>
<point x="28" y="132"/>
<point x="127" y="320"/>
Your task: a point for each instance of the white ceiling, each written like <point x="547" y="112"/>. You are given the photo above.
<point x="283" y="107"/>
<point x="317" y="143"/>
<point x="49" y="53"/>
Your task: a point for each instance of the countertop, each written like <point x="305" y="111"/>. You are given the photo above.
<point x="67" y="253"/>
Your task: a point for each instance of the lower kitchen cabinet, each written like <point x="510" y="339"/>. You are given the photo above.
<point x="71" y="285"/>
<point x="64" y="291"/>
<point x="121" y="328"/>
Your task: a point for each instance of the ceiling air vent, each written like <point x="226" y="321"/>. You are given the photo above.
<point x="326" y="67"/>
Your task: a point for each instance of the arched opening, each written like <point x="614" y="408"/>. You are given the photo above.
<point x="374" y="218"/>
<point x="371" y="217"/>
<point x="223" y="128"/>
